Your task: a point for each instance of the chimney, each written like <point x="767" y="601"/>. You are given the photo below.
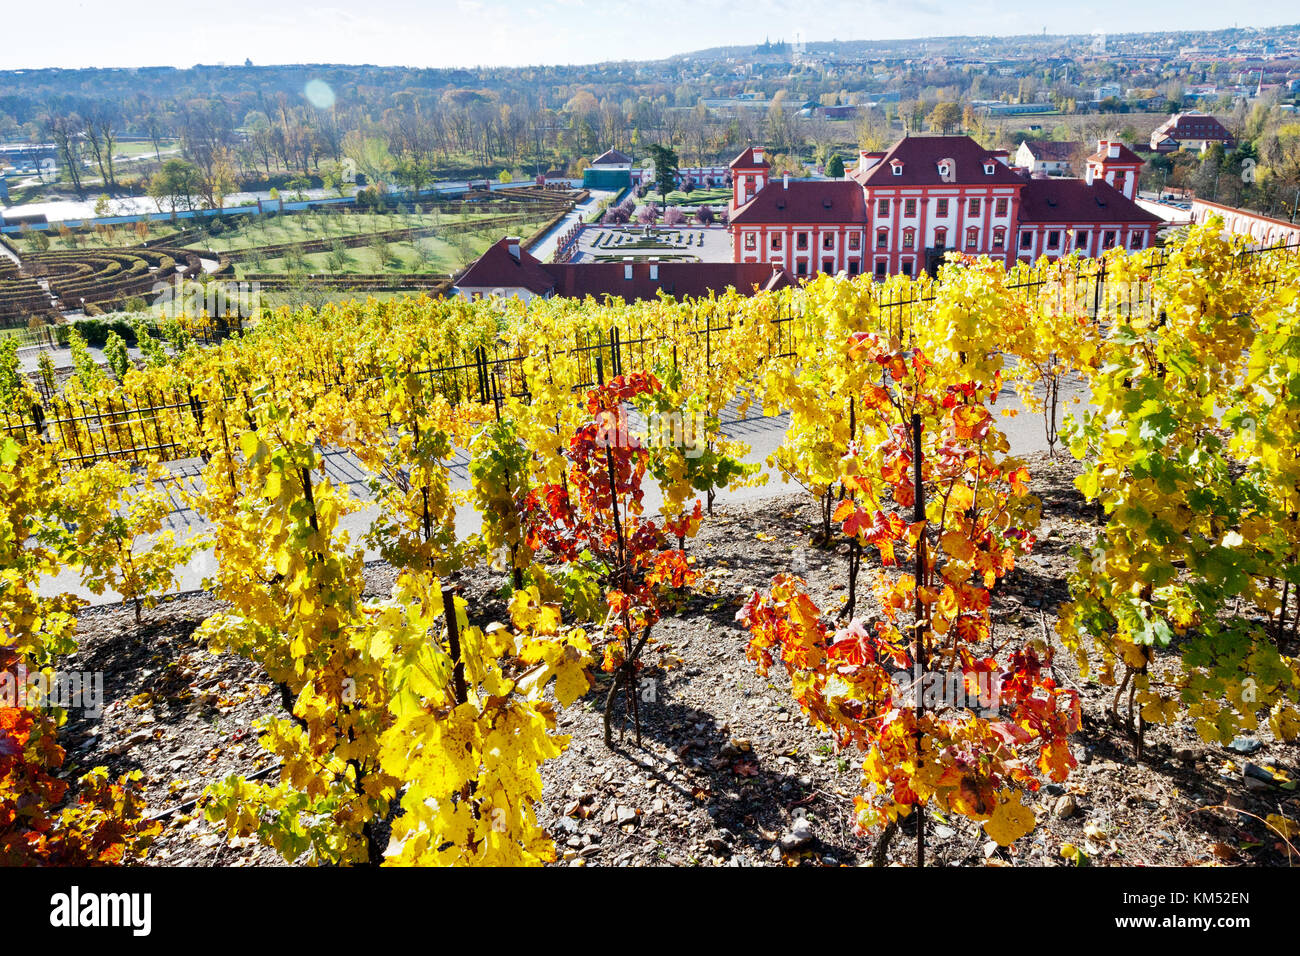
<point x="512" y="246"/>
<point x="785" y="181"/>
<point x="758" y="154"/>
<point x="1114" y="151"/>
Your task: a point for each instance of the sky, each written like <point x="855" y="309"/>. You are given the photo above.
<point x="444" y="33"/>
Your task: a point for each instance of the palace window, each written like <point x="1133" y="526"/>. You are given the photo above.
<point x="941" y="237"/>
<point x="973" y="207"/>
<point x="853" y="267"/>
<point x="882" y="207"/>
<point x="828" y="266"/>
<point x="882" y="239"/>
<point x="828" y="240"/>
<point x="801" y="241"/>
<point x="776" y="242"/>
<point x="907" y="267"/>
<point x="909" y="238"/>
<point x="1026" y="240"/>
<point x="1001" y="208"/>
<point x="750" y="242"/>
<point x="881" y="268"/>
<point x="941" y="207"/>
<point x="972" y="237"/>
<point x="1081" y="239"/>
<point x="801" y="268"/>
<point x="1053" y="238"/>
<point x="1108" y="239"/>
<point x="1135" y="241"/>
<point x="999" y="238"/>
<point x="855" y="241"/>
<point x="909" y="208"/>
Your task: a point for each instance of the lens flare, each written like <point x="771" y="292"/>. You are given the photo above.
<point x="319" y="94"/>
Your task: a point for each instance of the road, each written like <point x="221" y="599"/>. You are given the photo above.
<point x="762" y="433"/>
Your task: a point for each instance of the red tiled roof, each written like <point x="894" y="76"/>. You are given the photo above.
<point x="1193" y="126"/>
<point x="1074" y="200"/>
<point x="805" y="201"/>
<point x="612" y="157"/>
<point x="1126" y="155"/>
<point x="746" y="160"/>
<point x="498" y="269"/>
<point x="920" y="156"/>
<point x="1050" y="150"/>
<point x="678" y="279"/>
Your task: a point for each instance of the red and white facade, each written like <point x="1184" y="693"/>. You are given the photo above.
<point x="902" y="211"/>
<point x="699" y="176"/>
<point x="804" y="227"/>
<point x="1264" y="230"/>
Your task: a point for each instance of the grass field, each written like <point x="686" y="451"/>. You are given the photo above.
<point x="255" y="231"/>
<point x="441" y="254"/>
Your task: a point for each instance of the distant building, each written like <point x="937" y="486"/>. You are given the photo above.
<point x="1046" y="156"/>
<point x="1107" y="91"/>
<point x="1192" y="131"/>
<point x="705" y="176"/>
<point x="26" y="156"/>
<point x="1015" y="109"/>
<point x="610" y="170"/>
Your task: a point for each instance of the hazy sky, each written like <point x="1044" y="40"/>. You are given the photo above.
<point x="515" y="32"/>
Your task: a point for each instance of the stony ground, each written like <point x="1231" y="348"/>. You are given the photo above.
<point x="727" y="772"/>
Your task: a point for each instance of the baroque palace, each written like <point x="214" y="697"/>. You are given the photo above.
<point x="901" y="210"/>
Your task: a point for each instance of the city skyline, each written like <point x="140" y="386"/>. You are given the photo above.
<point x="494" y="33"/>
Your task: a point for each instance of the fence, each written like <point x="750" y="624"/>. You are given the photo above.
<point x="170" y="426"/>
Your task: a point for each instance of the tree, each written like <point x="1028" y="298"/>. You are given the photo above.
<point x="179" y="182"/>
<point x="835" y="168"/>
<point x="665" y="163"/>
<point x="945" y="117"/>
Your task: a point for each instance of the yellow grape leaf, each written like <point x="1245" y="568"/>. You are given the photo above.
<point x="957" y="546"/>
<point x="1289" y="828"/>
<point x="1285" y="722"/>
<point x="1011" y="820"/>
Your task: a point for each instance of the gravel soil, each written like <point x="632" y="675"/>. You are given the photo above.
<point x="727" y="766"/>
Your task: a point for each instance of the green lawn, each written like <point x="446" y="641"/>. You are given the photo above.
<point x="251" y="232"/>
<point x="696" y="197"/>
<point x="442" y="256"/>
<point x="303" y="227"/>
<point x="133" y="148"/>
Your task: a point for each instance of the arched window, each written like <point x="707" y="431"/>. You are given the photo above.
<point x="972" y="237"/>
<point x="999" y="238"/>
<point x="909" y="238"/>
<point x="941" y="237"/>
